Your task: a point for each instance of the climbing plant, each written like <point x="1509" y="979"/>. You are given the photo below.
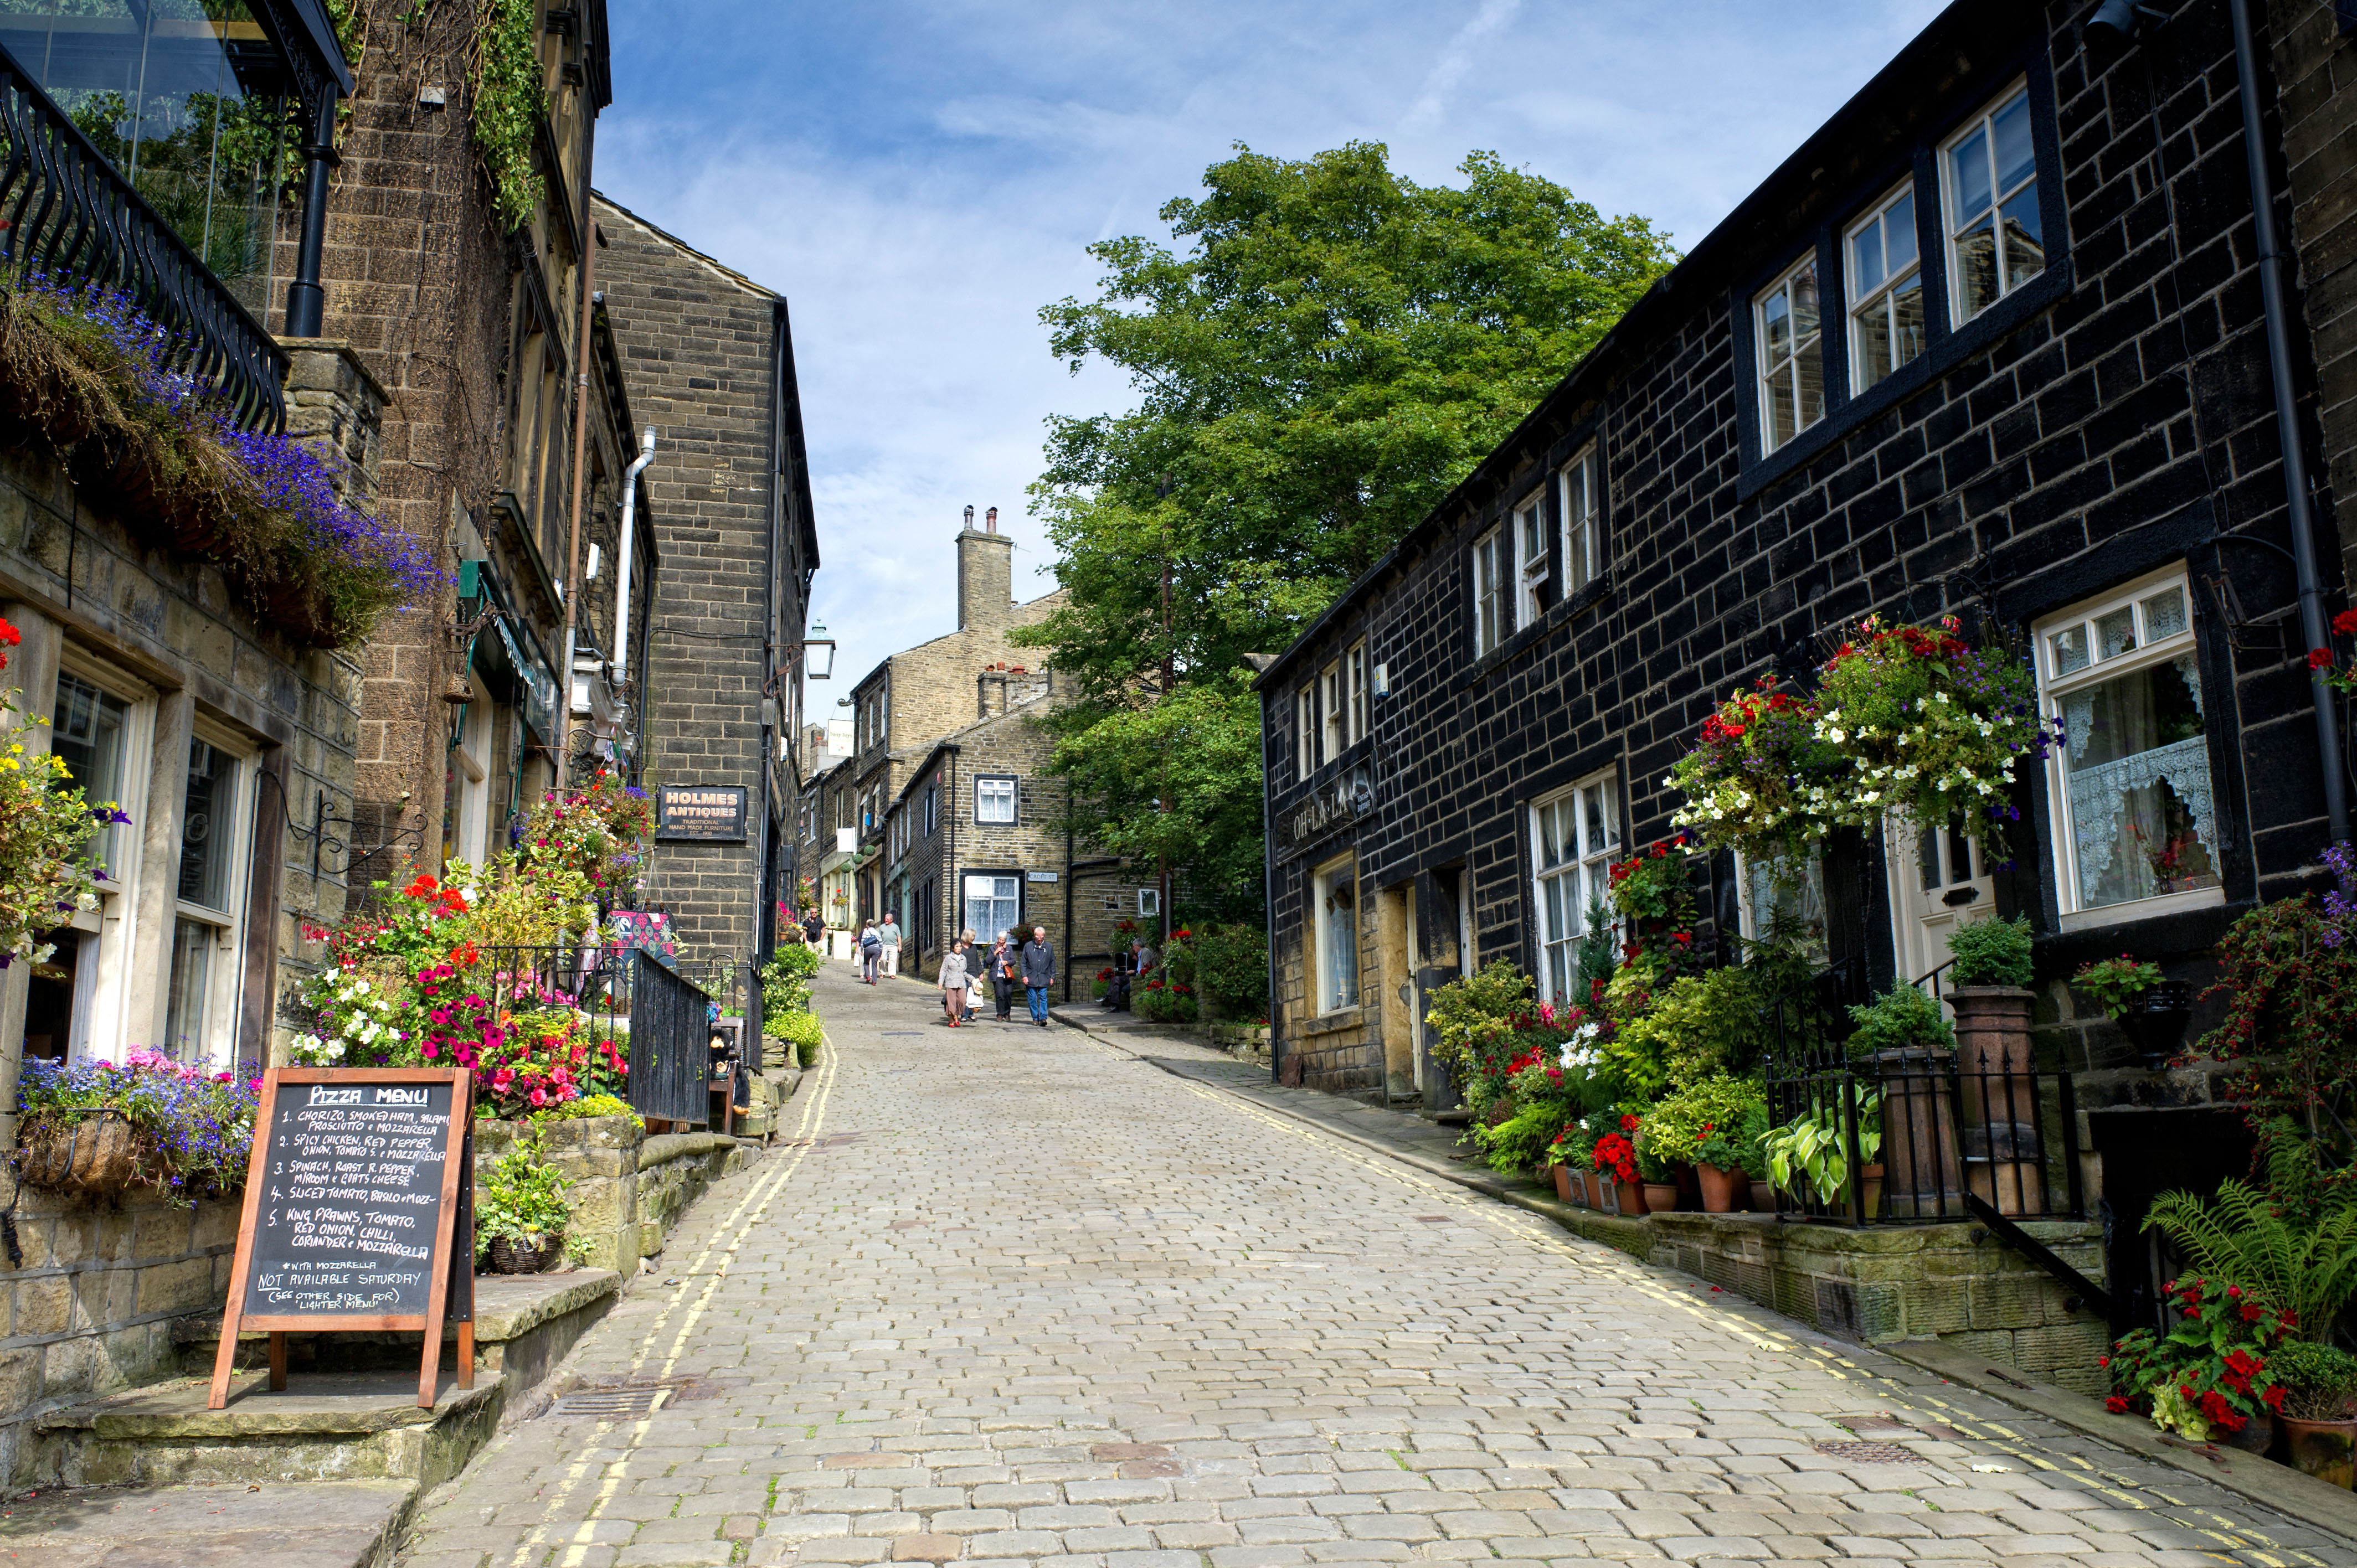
<point x="507" y="103"/>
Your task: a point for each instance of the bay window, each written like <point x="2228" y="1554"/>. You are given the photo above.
<point x="2135" y="817"/>
<point x="1573" y="839"/>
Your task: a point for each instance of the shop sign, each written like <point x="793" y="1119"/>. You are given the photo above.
<point x="710" y="813"/>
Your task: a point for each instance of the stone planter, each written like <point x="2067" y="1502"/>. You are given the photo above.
<point x="2324" y="1449"/>
<point x="1918" y="1132"/>
<point x="1992" y="1037"/>
<point x="1723" y="1192"/>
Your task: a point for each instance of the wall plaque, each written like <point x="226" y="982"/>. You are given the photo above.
<point x="359" y="1213"/>
<point x="713" y="813"/>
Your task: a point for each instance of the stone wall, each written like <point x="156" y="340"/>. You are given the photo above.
<point x="2315" y="59"/>
<point x="91" y="1309"/>
<point x="627" y="1189"/>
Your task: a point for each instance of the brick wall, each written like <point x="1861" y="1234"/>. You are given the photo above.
<point x="2316" y="83"/>
<point x="2105" y="421"/>
<point x="700" y="348"/>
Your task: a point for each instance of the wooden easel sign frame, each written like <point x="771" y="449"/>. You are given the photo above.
<point x="339" y="1154"/>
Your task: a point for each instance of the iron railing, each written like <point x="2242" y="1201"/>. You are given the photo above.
<point x="755" y="1052"/>
<point x="626" y="1008"/>
<point x="671" y="1033"/>
<point x="1995" y="1126"/>
<point x="69" y="210"/>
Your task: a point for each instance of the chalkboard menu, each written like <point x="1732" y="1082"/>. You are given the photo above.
<point x="358" y="1212"/>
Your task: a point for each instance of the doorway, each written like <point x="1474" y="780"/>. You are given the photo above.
<point x="1440" y="938"/>
<point x="1939" y="884"/>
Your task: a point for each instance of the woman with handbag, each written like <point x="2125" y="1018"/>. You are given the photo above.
<point x="1006" y="973"/>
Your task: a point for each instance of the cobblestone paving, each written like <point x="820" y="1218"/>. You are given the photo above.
<point x="1011" y="1297"/>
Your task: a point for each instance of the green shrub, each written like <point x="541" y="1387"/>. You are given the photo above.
<point x="799" y="1030"/>
<point x="1232" y="971"/>
<point x="785" y="986"/>
<point x="1699" y="1027"/>
<point x="520" y="1197"/>
<point x="1676" y="1128"/>
<point x="1904" y="1018"/>
<point x="1514" y="1145"/>
<point x="2317" y="1379"/>
<point x="1163" y="1003"/>
<point x="588" y="1105"/>
<point x="1991" y="952"/>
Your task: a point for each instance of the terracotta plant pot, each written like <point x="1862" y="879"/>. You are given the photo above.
<point x="1660" y="1196"/>
<point x="1562" y="1175"/>
<point x="515" y="1258"/>
<point x="1595" y="1185"/>
<point x="2324" y="1449"/>
<point x="1870" y="1178"/>
<point x="95" y="1157"/>
<point x="1763" y="1197"/>
<point x="1630" y="1197"/>
<point x="1723" y="1192"/>
<point x="2258" y="1436"/>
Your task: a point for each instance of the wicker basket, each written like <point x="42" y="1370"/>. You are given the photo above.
<point x="97" y="1156"/>
<point x="515" y="1258"/>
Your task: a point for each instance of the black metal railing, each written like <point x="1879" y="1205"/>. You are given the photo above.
<point x="755" y="1051"/>
<point x="1916" y="1131"/>
<point x="671" y="1033"/>
<point x="70" y="212"/>
<point x="622" y="1006"/>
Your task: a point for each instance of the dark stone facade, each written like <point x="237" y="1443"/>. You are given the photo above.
<point x="708" y="360"/>
<point x="2106" y="420"/>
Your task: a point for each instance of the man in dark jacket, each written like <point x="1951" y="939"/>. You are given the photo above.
<point x="1039" y="973"/>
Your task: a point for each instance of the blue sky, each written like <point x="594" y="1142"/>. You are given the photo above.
<point x="920" y="176"/>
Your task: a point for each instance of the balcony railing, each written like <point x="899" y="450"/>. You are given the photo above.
<point x="69" y="210"/>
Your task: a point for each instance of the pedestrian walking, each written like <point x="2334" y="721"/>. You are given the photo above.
<point x="812" y="928"/>
<point x="889" y="933"/>
<point x="1039" y="973"/>
<point x="871" y="952"/>
<point x="1005" y="958"/>
<point x="978" y="974"/>
<point x="954" y="983"/>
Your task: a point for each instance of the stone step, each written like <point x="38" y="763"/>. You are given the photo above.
<point x="349" y="1426"/>
<point x="345" y="1524"/>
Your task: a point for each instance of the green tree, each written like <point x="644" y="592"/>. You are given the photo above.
<point x="1334" y="348"/>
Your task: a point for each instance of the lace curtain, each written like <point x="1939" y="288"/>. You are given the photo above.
<point x="2099" y="793"/>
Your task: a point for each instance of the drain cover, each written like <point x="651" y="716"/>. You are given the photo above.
<point x="616" y="1402"/>
<point x="1868" y="1452"/>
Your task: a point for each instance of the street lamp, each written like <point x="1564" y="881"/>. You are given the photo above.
<point x="818" y="653"/>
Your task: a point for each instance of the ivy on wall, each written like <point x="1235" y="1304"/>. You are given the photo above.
<point x="507" y="104"/>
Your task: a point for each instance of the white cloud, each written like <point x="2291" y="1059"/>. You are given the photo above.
<point x="1456" y="60"/>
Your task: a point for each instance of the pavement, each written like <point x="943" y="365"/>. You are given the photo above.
<point x="1007" y="1294"/>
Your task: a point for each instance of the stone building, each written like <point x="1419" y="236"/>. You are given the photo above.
<point x="2038" y="394"/>
<point x="708" y="361"/>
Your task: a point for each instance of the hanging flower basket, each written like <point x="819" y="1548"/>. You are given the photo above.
<point x="95" y="1156"/>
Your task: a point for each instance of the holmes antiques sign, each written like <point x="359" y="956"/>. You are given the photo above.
<point x="705" y="813"/>
<point x="1342" y="802"/>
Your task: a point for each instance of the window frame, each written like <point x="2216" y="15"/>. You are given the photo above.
<point x="1586" y="862"/>
<point x="1013" y="796"/>
<point x="1334" y="711"/>
<point x="1322" y="939"/>
<point x="217" y="1009"/>
<point x="1950" y="228"/>
<point x="2053" y="687"/>
<point x="109" y="938"/>
<point x="1533" y="557"/>
<point x="1489" y="602"/>
<point x="933" y="807"/>
<point x="1880" y="296"/>
<point x="966" y="879"/>
<point x="1582" y="529"/>
<point x="1354" y="664"/>
<point x="1764" y="374"/>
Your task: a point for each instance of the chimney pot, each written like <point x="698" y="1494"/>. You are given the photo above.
<point x="969" y="518"/>
<point x="991" y="522"/>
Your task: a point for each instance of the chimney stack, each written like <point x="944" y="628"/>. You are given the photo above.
<point x="985" y="576"/>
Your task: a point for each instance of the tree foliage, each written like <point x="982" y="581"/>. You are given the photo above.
<point x="1334" y="348"/>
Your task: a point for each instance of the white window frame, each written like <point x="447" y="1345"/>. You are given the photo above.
<point x="471" y="766"/>
<point x="1532" y="558"/>
<point x="1355" y="662"/>
<point x="2054" y="686"/>
<point x="111" y="941"/>
<point x="1880" y="298"/>
<point x="1490" y="604"/>
<point x="214" y="1040"/>
<point x="1336" y="710"/>
<point x="988" y="932"/>
<point x="1328" y="933"/>
<point x="1585" y="869"/>
<point x="1953" y="226"/>
<point x="1009" y="794"/>
<point x="1579" y="499"/>
<point x="1305" y="727"/>
<point x="1766" y="374"/>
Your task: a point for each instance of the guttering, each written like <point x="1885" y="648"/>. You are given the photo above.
<point x="2313" y="623"/>
<point x="622" y="552"/>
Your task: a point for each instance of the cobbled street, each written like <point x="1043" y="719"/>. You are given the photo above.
<point x="1014" y="1296"/>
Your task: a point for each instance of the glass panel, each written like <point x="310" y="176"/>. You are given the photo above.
<point x="1534" y="535"/>
<point x="1960" y="857"/>
<point x="2025" y="250"/>
<point x="1976" y="269"/>
<point x="1553" y="825"/>
<point x="1809" y="367"/>
<point x="1776" y="327"/>
<point x="1866" y="259"/>
<point x="2016" y="160"/>
<point x="86" y="732"/>
<point x="206" y="826"/>
<point x="2115" y="633"/>
<point x="2138" y="771"/>
<point x="186" y="99"/>
<point x="1927" y="860"/>
<point x="1968" y="176"/>
<point x="1598" y="814"/>
<point x="1781" y="427"/>
<point x="1899" y="231"/>
<point x="1907" y="321"/>
<point x="2070" y="648"/>
<point x="1803" y="288"/>
<point x="184" y="1002"/>
<point x="2164" y="615"/>
<point x="1873" y="343"/>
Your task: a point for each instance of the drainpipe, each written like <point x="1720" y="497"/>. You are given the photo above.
<point x="622" y="550"/>
<point x="306" y="302"/>
<point x="2313" y="624"/>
